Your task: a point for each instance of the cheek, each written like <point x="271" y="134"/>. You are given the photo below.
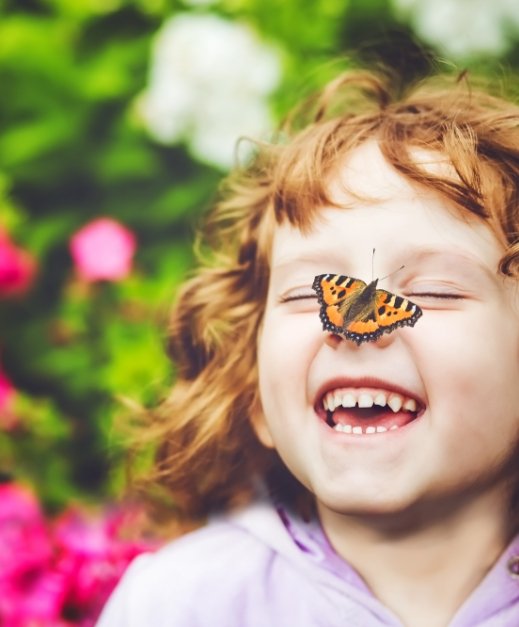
<point x="286" y="348"/>
<point x="470" y="366"/>
<point x="482" y="343"/>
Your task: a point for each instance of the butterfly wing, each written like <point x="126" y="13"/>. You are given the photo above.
<point x="364" y="327"/>
<point x="336" y="293"/>
<point x="393" y="311"/>
<point x="352" y="309"/>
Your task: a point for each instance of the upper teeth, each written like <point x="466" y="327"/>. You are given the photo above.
<point x="367" y="398"/>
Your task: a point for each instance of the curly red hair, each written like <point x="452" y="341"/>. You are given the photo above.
<point x="208" y="456"/>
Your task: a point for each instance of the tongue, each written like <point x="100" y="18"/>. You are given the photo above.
<point x="372" y="416"/>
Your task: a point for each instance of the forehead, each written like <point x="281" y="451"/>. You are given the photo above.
<point x="365" y="174"/>
<point x="378" y="208"/>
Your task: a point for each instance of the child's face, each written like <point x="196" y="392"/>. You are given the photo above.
<point x="460" y="362"/>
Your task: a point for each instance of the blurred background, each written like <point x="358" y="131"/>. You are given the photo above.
<point x="118" y="119"/>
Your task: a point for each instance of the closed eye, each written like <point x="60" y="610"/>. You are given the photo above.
<point x="303" y="294"/>
<point x="437" y="295"/>
<point x="441" y="301"/>
<point x="292" y="297"/>
<point x="441" y="290"/>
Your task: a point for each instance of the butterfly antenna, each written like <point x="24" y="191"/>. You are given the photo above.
<point x="391" y="273"/>
<point x="373" y="268"/>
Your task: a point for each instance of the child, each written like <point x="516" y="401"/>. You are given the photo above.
<point x="366" y="473"/>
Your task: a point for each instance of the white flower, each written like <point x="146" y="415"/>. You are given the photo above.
<point x="209" y="82"/>
<point x="464" y="28"/>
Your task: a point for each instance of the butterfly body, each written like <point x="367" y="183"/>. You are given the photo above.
<point x="360" y="311"/>
<point x="359" y="304"/>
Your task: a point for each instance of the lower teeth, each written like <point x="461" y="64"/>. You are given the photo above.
<point x="360" y="431"/>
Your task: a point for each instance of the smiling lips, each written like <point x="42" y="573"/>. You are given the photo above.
<point x="367" y="411"/>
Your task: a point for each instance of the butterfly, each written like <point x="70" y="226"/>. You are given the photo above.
<point x="359" y="311"/>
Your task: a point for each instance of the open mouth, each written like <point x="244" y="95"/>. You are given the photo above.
<point x="367" y="411"/>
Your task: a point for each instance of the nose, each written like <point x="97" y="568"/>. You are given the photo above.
<point x="334" y="341"/>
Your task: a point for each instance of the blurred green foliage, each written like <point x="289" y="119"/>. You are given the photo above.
<point x="73" y="148"/>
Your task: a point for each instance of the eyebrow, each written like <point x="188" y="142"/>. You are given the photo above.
<point x="421" y="255"/>
<point x="317" y="257"/>
<point x="411" y="259"/>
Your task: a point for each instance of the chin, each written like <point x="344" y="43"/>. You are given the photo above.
<point x="368" y="505"/>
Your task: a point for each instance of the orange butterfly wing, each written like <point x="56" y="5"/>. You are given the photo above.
<point x="335" y="292"/>
<point x="359" y="312"/>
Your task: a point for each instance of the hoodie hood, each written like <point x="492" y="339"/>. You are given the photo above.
<point x="494" y="603"/>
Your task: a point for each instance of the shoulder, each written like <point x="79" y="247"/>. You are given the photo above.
<point x="202" y="554"/>
<point x="207" y="567"/>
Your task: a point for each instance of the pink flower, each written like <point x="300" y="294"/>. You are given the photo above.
<point x="38" y="601"/>
<point x="24" y="542"/>
<point x="17" y="268"/>
<point x="8" y="419"/>
<point x="7" y="395"/>
<point x="93" y="555"/>
<point x="103" y="250"/>
<point x="28" y="588"/>
<point x="59" y="575"/>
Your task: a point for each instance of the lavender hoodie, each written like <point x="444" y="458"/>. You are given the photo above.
<point x="263" y="567"/>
